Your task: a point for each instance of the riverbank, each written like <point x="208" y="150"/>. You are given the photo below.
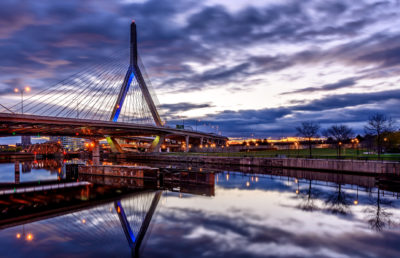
<point x="349" y="166"/>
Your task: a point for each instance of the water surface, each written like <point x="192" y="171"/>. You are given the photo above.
<point x="249" y="215"/>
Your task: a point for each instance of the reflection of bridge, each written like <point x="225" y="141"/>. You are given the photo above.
<point x="104" y="208"/>
<point x="110" y="100"/>
<point x="129" y="212"/>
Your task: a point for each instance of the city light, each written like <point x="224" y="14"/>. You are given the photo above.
<point x="18" y="235"/>
<point x="26" y="89"/>
<point x="29" y="237"/>
<point x="355" y="202"/>
<point x="247" y="183"/>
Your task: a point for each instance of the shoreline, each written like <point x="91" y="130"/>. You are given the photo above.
<point x="331" y="165"/>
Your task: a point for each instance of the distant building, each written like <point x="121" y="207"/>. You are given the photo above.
<point x="69" y="143"/>
<point x="25" y="141"/>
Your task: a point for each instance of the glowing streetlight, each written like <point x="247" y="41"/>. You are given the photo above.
<point x="26" y="89"/>
<point x="29" y="237"/>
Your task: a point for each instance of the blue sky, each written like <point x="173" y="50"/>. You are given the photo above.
<point x="249" y="67"/>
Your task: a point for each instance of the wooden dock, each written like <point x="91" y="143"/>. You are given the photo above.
<point x="120" y="171"/>
<point x="149" y="173"/>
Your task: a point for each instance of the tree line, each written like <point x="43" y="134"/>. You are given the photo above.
<point x="378" y="126"/>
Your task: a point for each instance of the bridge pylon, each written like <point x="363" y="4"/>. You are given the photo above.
<point x="133" y="73"/>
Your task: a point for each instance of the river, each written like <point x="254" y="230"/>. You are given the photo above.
<point x="245" y="214"/>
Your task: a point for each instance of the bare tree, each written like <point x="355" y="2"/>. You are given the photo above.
<point x="377" y="215"/>
<point x="339" y="133"/>
<point x="308" y="201"/>
<point x="308" y="130"/>
<point x="338" y="202"/>
<point x="379" y="125"/>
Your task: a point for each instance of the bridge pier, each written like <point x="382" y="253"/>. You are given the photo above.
<point x="156" y="144"/>
<point x="114" y="145"/>
<point x="96" y="152"/>
<point x="17" y="174"/>
<point x="187" y="143"/>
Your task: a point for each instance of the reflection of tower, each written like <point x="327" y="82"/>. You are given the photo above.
<point x="135" y="241"/>
<point x="17" y="175"/>
<point x="26" y="167"/>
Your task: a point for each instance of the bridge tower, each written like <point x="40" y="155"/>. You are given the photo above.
<point x="134" y="73"/>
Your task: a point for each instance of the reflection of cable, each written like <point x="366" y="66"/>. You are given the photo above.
<point x="99" y="223"/>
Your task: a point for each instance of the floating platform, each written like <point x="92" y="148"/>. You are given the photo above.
<point x="120" y="171"/>
<point x="168" y="176"/>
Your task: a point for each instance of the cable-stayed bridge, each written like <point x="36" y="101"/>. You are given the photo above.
<point x="112" y="99"/>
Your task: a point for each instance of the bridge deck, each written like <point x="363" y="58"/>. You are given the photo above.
<point x="18" y="124"/>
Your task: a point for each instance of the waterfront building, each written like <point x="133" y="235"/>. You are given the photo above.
<point x="69" y="143"/>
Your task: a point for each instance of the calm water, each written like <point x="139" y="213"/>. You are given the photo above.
<point x="249" y="215"/>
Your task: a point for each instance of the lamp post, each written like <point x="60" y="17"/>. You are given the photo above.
<point x="26" y="89"/>
<point x="357" y="141"/>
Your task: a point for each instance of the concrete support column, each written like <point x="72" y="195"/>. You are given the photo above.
<point x="114" y="144"/>
<point x="96" y="153"/>
<point x="187" y="143"/>
<point x="156" y="144"/>
<point x="17" y="174"/>
<point x="201" y="140"/>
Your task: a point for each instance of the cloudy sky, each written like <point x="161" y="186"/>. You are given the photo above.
<point x="248" y="67"/>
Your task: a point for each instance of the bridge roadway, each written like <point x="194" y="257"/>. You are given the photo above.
<point x="18" y="124"/>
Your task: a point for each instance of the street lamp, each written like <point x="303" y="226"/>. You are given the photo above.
<point x="26" y="89"/>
